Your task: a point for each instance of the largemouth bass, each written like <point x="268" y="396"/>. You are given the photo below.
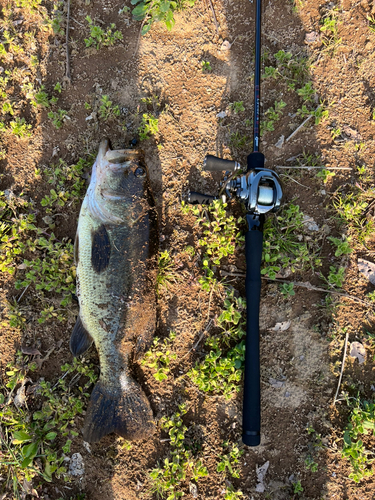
<point x="115" y="251"/>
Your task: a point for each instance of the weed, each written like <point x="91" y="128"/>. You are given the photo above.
<point x="151" y="11"/>
<point x="159" y="357"/>
<point x="230" y="461"/>
<point x="272" y="115"/>
<point x="307" y="92"/>
<point x="342" y="246"/>
<point x="336" y="277"/>
<point x="237" y="107"/>
<point x="167" y="478"/>
<point x="325" y="174"/>
<point x="285" y="245"/>
<point x="232" y="494"/>
<point x="336" y="132"/>
<point x="351" y="210"/>
<point x="149" y="126"/>
<point x="165" y="273"/>
<point x="287" y="289"/>
<point x="221" y="372"/>
<point x="329" y="27"/>
<point x="237" y="140"/>
<point x="206" y="67"/>
<point x="297" y="488"/>
<point x="311" y="465"/>
<point x="58" y="117"/>
<point x="106" y="109"/>
<point x="20" y="128"/>
<point x="361" y="422"/>
<point x="219" y="234"/>
<point x="101" y="38"/>
<point x="39" y="434"/>
<point x="319" y="113"/>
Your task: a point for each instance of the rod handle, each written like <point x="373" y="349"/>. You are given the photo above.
<point x="251" y="393"/>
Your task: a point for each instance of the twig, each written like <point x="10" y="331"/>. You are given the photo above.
<point x="342" y="366"/>
<point x="300" y="126"/>
<point x="209" y="304"/>
<point x="291" y="178"/>
<point x="67" y="72"/>
<point x="309" y="286"/>
<point x="306" y="167"/>
<point x="20" y="297"/>
<point x="200" y="338"/>
<point x="213" y="15"/>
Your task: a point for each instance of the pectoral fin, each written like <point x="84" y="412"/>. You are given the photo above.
<point x="80" y="339"/>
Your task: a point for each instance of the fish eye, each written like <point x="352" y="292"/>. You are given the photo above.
<point x="140" y="172"/>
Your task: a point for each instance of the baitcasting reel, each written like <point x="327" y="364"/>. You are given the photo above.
<point x="258" y="189"/>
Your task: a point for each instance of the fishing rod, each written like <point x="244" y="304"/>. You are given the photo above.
<point x="259" y="190"/>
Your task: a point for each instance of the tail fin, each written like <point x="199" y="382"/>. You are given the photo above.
<point x="126" y="412"/>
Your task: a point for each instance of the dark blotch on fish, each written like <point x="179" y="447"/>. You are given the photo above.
<point x="101" y="249"/>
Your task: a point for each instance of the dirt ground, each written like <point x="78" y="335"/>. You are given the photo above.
<point x="169" y="65"/>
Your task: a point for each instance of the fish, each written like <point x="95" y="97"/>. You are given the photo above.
<point x="115" y="252"/>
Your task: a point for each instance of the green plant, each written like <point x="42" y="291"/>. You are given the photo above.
<point x="20" y="128"/>
<point x="106" y="110"/>
<point x="150" y="11"/>
<point x="307" y="92"/>
<point x="272" y="115"/>
<point x="361" y="422"/>
<point x="160" y="356"/>
<point x="342" y="246"/>
<point x="237" y="140"/>
<point x="336" y="277"/>
<point x="310" y="464"/>
<point x="230" y="461"/>
<point x="149" y="126"/>
<point x="167" y="477"/>
<point x="101" y="38"/>
<point x="58" y="117"/>
<point x="285" y="245"/>
<point x="232" y="494"/>
<point x="44" y="434"/>
<point x="287" y="289"/>
<point x="325" y="174"/>
<point x="206" y="66"/>
<point x="237" y="106"/>
<point x="319" y="113"/>
<point x="221" y="370"/>
<point x="329" y="27"/>
<point x="297" y="488"/>
<point x="219" y="234"/>
<point x="165" y="271"/>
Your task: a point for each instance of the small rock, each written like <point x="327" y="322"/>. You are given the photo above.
<point x="287" y="394"/>
<point x="76" y="466"/>
<point x="222" y="114"/>
<point x="193" y="490"/>
<point x="368" y="269"/>
<point x="310" y="223"/>
<point x="225" y="45"/>
<point x="358" y="351"/>
<point x="276" y="383"/>
<point x="280" y="142"/>
<point x="311" y="37"/>
<point x="323" y="192"/>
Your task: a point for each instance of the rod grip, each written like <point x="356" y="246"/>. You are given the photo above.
<point x="215" y="164"/>
<point x="251" y="393"/>
<point x="199" y="198"/>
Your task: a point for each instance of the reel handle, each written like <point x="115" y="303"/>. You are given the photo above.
<point x="214" y="164"/>
<point x="251" y="391"/>
<point x="195" y="198"/>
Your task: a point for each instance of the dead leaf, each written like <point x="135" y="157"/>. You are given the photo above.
<point x="281" y="327"/>
<point x="20" y="398"/>
<point x="30" y="351"/>
<point x="353" y="134"/>
<point x="22" y="266"/>
<point x="261" y="472"/>
<point x="358" y="351"/>
<point x="368" y="269"/>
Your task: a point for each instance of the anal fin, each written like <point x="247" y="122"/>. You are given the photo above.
<point x="80" y="339"/>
